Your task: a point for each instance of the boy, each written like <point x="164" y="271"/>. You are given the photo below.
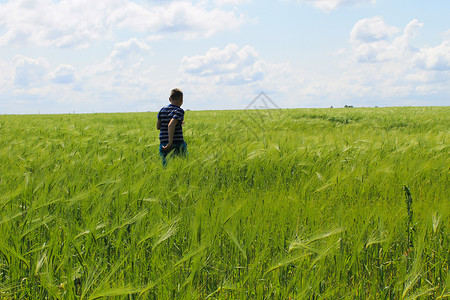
<point x="169" y="124"/>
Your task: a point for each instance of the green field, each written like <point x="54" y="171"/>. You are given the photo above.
<point x="270" y="204"/>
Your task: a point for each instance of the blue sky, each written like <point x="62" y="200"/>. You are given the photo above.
<point x="126" y="55"/>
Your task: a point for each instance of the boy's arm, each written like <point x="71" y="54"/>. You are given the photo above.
<point x="158" y="124"/>
<point x="171" y="131"/>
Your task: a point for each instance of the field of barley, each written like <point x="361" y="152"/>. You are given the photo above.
<point x="348" y="203"/>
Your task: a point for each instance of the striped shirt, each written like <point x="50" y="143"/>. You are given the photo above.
<point x="164" y="116"/>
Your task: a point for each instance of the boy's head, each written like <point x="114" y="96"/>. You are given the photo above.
<point x="176" y="97"/>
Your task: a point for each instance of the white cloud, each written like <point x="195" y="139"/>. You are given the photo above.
<point x="374" y="41"/>
<point x="76" y="23"/>
<point x="231" y="2"/>
<point x="30" y="72"/>
<point x="191" y="20"/>
<point x="380" y="61"/>
<point x="64" y="74"/>
<point x="124" y="76"/>
<point x="120" y="82"/>
<point x="6" y="72"/>
<point x="228" y="66"/>
<point x="328" y="5"/>
<point x="434" y="58"/>
<point x="230" y="59"/>
<point x="35" y="73"/>
<point x="131" y="52"/>
<point x="223" y="75"/>
<point x="45" y="23"/>
<point x="127" y="57"/>
<point x="371" y="30"/>
<point x="382" y="64"/>
<point x="234" y="75"/>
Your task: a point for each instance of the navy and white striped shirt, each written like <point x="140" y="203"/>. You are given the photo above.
<point x="166" y="114"/>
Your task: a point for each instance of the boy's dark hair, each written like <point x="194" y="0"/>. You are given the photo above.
<point x="176" y="95"/>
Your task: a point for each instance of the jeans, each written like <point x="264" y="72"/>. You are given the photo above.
<point x="179" y="149"/>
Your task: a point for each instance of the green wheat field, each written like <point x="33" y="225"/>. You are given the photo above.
<point x="337" y="203"/>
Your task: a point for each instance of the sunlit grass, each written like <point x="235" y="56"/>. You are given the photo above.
<point x="298" y="204"/>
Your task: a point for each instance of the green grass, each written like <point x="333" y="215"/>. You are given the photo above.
<point x="278" y="204"/>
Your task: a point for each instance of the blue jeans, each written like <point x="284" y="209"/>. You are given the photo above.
<point x="179" y="149"/>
